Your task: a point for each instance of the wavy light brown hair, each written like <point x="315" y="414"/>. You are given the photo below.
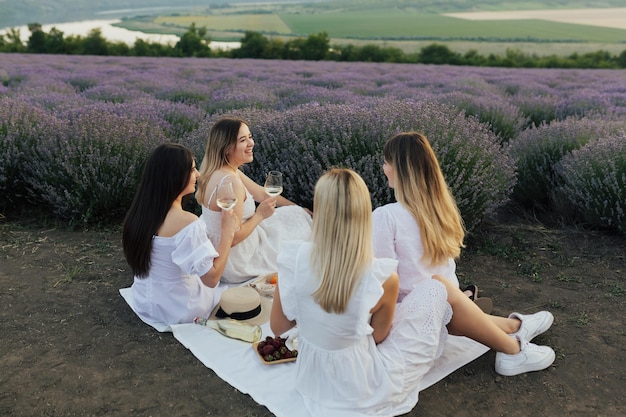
<point x="222" y="136"/>
<point x="419" y="185"/>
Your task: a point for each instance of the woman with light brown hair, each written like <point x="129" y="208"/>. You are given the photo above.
<point x="255" y="246"/>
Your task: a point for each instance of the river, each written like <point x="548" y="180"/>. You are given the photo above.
<point x="112" y="33"/>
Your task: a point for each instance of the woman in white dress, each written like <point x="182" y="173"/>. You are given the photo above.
<point x="255" y="246"/>
<point x="423" y="230"/>
<point x="360" y="354"/>
<point x="176" y="268"/>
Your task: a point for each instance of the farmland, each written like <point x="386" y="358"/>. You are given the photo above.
<point x="542" y="32"/>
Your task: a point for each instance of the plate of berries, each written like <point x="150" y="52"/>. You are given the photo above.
<point x="274" y="350"/>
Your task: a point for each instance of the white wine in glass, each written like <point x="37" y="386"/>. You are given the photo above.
<point x="226" y="197"/>
<point x="274" y="183"/>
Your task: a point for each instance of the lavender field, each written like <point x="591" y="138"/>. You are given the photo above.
<point x="74" y="130"/>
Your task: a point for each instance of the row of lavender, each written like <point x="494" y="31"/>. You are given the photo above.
<point x="74" y="130"/>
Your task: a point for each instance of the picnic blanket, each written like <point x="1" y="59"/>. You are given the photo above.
<point x="237" y="363"/>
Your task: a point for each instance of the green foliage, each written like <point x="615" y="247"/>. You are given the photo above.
<point x="195" y="43"/>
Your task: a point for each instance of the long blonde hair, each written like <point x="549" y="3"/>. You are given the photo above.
<point x="342" y="236"/>
<point x="222" y="136"/>
<point x="420" y="187"/>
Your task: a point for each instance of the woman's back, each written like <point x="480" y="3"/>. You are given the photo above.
<point x="338" y="359"/>
<point x="397" y="236"/>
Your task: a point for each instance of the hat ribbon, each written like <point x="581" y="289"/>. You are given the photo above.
<point x="244" y="315"/>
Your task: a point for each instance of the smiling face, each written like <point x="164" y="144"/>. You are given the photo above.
<point x="241" y="151"/>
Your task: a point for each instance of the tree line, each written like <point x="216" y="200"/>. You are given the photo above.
<point x="196" y="43"/>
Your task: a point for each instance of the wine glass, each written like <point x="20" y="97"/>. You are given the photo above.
<point x="274" y="183"/>
<point x="226" y="197"/>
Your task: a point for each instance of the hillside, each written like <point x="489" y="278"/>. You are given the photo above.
<point x="21" y="12"/>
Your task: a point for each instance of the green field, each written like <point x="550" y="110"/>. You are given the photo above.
<point x="396" y="23"/>
<point x="407" y="29"/>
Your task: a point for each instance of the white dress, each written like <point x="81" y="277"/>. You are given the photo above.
<point x="256" y="255"/>
<point x="397" y="236"/>
<point x="172" y="292"/>
<point x="340" y="371"/>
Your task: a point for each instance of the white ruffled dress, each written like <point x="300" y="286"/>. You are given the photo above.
<point x="340" y="371"/>
<point x="256" y="255"/>
<point x="172" y="292"/>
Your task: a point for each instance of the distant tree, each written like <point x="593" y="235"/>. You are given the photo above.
<point x="253" y="45"/>
<point x="472" y="57"/>
<point x="37" y="40"/>
<point x="621" y="59"/>
<point x="274" y="49"/>
<point x="194" y="42"/>
<point x="95" y="43"/>
<point x="13" y="41"/>
<point x="143" y="48"/>
<point x="438" y="54"/>
<point x="294" y="48"/>
<point x="315" y="47"/>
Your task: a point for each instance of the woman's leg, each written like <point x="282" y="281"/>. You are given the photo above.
<point x="469" y="320"/>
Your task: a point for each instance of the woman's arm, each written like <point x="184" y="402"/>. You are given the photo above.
<point x="263" y="211"/>
<point x="230" y="223"/>
<point x="279" y="323"/>
<point x="383" y="311"/>
<point x="259" y="194"/>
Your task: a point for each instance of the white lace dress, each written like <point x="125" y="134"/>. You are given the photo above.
<point x="340" y="371"/>
<point x="256" y="255"/>
<point x="397" y="236"/>
<point x="172" y="292"/>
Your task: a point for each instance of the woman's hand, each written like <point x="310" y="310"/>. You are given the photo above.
<point x="230" y="223"/>
<point x="266" y="207"/>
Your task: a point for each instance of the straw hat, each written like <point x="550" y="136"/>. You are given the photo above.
<point x="243" y="304"/>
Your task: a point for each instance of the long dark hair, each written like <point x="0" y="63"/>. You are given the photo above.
<point x="165" y="175"/>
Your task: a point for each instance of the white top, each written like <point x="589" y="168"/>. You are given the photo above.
<point x="256" y="254"/>
<point x="397" y="236"/>
<point x="340" y="371"/>
<point x="172" y="292"/>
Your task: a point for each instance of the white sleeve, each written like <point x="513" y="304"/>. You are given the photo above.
<point x="384" y="231"/>
<point x="194" y="251"/>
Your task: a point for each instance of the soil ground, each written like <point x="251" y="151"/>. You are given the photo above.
<point x="70" y="345"/>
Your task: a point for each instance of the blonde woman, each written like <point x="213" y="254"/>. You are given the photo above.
<point x="359" y="352"/>
<point x="255" y="246"/>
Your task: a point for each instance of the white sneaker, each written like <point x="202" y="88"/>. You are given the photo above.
<point x="532" y="325"/>
<point x="530" y="358"/>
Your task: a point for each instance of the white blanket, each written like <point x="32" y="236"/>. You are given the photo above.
<point x="237" y="363"/>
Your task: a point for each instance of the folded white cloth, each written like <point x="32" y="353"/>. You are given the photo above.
<point x="237" y="363"/>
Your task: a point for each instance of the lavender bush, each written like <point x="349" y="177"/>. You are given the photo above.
<point x="322" y="113"/>
<point x="21" y="126"/>
<point x="537" y="150"/>
<point x="304" y="142"/>
<point x="504" y="118"/>
<point x="593" y="181"/>
<point x="88" y="172"/>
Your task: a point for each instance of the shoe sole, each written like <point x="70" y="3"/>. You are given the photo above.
<point x="546" y="362"/>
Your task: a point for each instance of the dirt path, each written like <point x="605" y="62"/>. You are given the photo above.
<point x="70" y="346"/>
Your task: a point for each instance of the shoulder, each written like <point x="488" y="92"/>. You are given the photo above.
<point x="178" y="221"/>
